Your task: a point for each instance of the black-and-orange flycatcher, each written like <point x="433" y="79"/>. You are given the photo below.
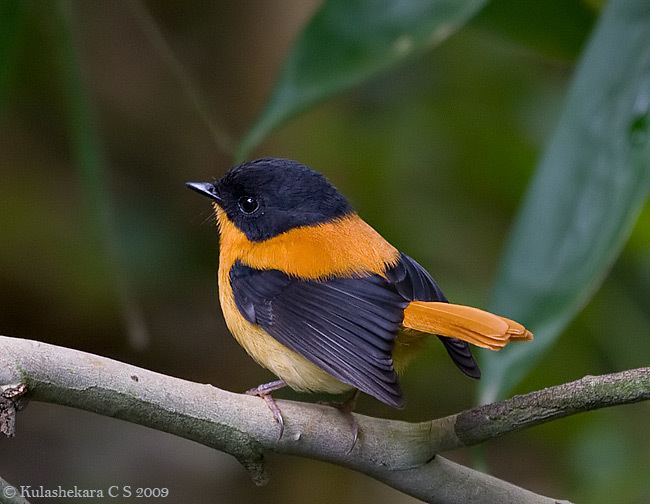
<point x="317" y="296"/>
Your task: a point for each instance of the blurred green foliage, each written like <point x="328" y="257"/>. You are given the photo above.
<point x="586" y="195"/>
<point x="90" y="160"/>
<point x="11" y="24"/>
<point x="348" y="42"/>
<point x="436" y="153"/>
<point x="554" y="29"/>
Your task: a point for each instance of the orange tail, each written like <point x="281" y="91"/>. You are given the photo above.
<point x="469" y="324"/>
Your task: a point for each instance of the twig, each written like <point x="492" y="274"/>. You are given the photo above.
<point x="490" y="421"/>
<point x="11" y="401"/>
<point x="152" y="31"/>
<point x="400" y="454"/>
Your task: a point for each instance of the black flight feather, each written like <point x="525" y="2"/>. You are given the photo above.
<point x="346" y="326"/>
<point x="414" y="283"/>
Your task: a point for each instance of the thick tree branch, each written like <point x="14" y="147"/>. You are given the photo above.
<point x="400" y="454"/>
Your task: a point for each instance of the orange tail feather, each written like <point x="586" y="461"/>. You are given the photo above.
<point x="469" y="324"/>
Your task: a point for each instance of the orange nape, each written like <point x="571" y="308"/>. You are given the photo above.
<point x="466" y="323"/>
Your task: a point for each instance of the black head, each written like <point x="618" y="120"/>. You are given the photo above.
<point x="269" y="196"/>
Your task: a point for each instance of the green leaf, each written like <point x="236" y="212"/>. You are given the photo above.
<point x="12" y="14"/>
<point x="349" y="41"/>
<point x="586" y="195"/>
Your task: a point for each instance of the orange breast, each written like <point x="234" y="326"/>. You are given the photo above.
<point x="345" y="246"/>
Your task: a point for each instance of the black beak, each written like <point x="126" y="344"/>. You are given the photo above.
<point x="204" y="188"/>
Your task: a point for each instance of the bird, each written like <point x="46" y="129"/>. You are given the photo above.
<point x="318" y="297"/>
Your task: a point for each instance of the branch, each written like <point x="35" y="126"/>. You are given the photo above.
<point x="11" y="401"/>
<point x="400" y="454"/>
<point x="490" y="421"/>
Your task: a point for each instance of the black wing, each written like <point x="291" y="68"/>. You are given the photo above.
<point x="346" y="326"/>
<point x="414" y="283"/>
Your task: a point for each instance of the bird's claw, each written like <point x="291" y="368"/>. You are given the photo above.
<point x="264" y="391"/>
<point x="346" y="408"/>
<point x="355" y="432"/>
<point x="277" y="414"/>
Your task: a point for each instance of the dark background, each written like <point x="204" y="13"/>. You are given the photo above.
<point x="436" y="155"/>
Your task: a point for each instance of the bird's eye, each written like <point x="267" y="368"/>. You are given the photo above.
<point x="248" y="204"/>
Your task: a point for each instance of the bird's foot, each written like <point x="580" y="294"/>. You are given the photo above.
<point x="347" y="407"/>
<point x="264" y="391"/>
